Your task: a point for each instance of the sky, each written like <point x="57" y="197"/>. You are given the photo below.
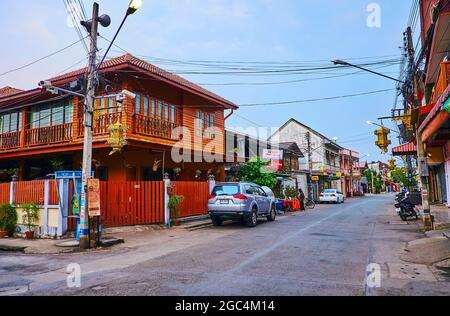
<point x="313" y="32"/>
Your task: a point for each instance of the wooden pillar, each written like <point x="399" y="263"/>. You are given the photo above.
<point x="128" y="109"/>
<point x="22" y="170"/>
<point x="76" y="118"/>
<point x="23" y="132"/>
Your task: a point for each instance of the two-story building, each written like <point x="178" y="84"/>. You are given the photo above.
<point x="321" y="164"/>
<point x="351" y="173"/>
<point x="241" y="148"/>
<point x="40" y="131"/>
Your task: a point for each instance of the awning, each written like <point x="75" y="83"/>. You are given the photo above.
<point x="437" y="117"/>
<point x="409" y="149"/>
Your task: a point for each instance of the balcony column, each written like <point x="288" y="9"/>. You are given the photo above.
<point x="23" y="132"/>
<point x="75" y="117"/>
<point x="128" y="109"/>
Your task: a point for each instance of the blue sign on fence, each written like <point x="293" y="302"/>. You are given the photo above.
<point x="68" y="174"/>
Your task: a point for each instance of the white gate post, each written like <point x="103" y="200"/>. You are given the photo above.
<point x="46" y="201"/>
<point x="166" y="200"/>
<point x="11" y="192"/>
<point x="212" y="183"/>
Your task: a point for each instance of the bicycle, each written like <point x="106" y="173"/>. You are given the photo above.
<point x="310" y="204"/>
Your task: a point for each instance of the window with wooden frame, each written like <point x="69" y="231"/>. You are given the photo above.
<point x="10" y="122"/>
<point x="57" y="113"/>
<point x="205" y="124"/>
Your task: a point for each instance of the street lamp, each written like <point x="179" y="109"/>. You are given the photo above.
<point x="132" y="8"/>
<point x="345" y="63"/>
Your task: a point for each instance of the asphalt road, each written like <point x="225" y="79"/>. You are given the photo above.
<point x="321" y="252"/>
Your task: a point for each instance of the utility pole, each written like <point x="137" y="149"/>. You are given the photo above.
<point x="420" y="149"/>
<point x="351" y="174"/>
<point x="88" y="121"/>
<point x="310" y="164"/>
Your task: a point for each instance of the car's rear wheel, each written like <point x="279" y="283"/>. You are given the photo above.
<point x="217" y="221"/>
<point x="252" y="219"/>
<point x="272" y="215"/>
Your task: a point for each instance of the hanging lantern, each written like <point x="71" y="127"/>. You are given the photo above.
<point x="116" y="138"/>
<point x="392" y="165"/>
<point x="383" y="140"/>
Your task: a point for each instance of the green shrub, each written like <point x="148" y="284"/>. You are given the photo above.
<point x="291" y="192"/>
<point x="30" y="215"/>
<point x="174" y="205"/>
<point x="8" y="218"/>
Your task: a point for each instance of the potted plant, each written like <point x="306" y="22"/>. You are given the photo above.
<point x="30" y="215"/>
<point x="156" y="165"/>
<point x="174" y="207"/>
<point x="8" y="220"/>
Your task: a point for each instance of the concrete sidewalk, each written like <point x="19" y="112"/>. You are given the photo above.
<point x="441" y="215"/>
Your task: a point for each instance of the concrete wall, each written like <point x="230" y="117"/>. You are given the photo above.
<point x="53" y="218"/>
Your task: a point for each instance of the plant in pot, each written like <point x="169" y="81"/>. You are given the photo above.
<point x="174" y="207"/>
<point x="156" y="165"/>
<point x="8" y="220"/>
<point x="30" y="216"/>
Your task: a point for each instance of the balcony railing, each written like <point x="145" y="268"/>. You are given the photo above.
<point x="64" y="133"/>
<point x="102" y="122"/>
<point x="10" y="140"/>
<point x="49" y="135"/>
<point x="443" y="81"/>
<point x="149" y="126"/>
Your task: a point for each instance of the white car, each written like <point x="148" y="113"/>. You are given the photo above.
<point x="332" y="196"/>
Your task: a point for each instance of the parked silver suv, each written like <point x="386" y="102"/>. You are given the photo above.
<point x="240" y="201"/>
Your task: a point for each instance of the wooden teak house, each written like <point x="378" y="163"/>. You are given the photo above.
<point x="41" y="132"/>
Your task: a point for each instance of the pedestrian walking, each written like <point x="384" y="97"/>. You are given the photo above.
<point x="301" y="197"/>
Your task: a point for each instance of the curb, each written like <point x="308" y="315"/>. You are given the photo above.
<point x="12" y="248"/>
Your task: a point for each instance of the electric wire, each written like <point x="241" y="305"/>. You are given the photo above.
<point x="40" y="59"/>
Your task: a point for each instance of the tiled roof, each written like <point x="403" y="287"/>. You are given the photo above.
<point x="9" y="91"/>
<point x="145" y="66"/>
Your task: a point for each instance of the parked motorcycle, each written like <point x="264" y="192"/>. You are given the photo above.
<point x="405" y="208"/>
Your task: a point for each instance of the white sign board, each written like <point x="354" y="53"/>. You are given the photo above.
<point x="272" y="154"/>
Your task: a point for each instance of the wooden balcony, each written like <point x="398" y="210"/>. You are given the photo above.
<point x="49" y="135"/>
<point x="10" y="140"/>
<point x="141" y="127"/>
<point x="443" y="81"/>
<point x="149" y="126"/>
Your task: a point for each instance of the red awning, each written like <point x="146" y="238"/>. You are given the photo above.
<point x="405" y="150"/>
<point x="436" y="118"/>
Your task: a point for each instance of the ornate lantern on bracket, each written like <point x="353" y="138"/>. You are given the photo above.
<point x="392" y="165"/>
<point x="383" y="140"/>
<point x="116" y="138"/>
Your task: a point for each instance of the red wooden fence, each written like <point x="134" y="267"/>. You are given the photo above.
<point x="132" y="203"/>
<point x="29" y="192"/>
<point x="195" y="197"/>
<point x="4" y="193"/>
<point x="53" y="193"/>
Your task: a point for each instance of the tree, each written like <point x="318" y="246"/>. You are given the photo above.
<point x="256" y="171"/>
<point x="399" y="176"/>
<point x="377" y="180"/>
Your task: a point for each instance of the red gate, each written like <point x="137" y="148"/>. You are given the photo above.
<point x="195" y="197"/>
<point x="132" y="203"/>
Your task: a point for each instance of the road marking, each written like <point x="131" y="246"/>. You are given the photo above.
<point x="281" y="242"/>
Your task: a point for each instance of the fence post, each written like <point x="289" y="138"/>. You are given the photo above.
<point x="11" y="192"/>
<point x="212" y="183"/>
<point x="166" y="200"/>
<point x="46" y="202"/>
